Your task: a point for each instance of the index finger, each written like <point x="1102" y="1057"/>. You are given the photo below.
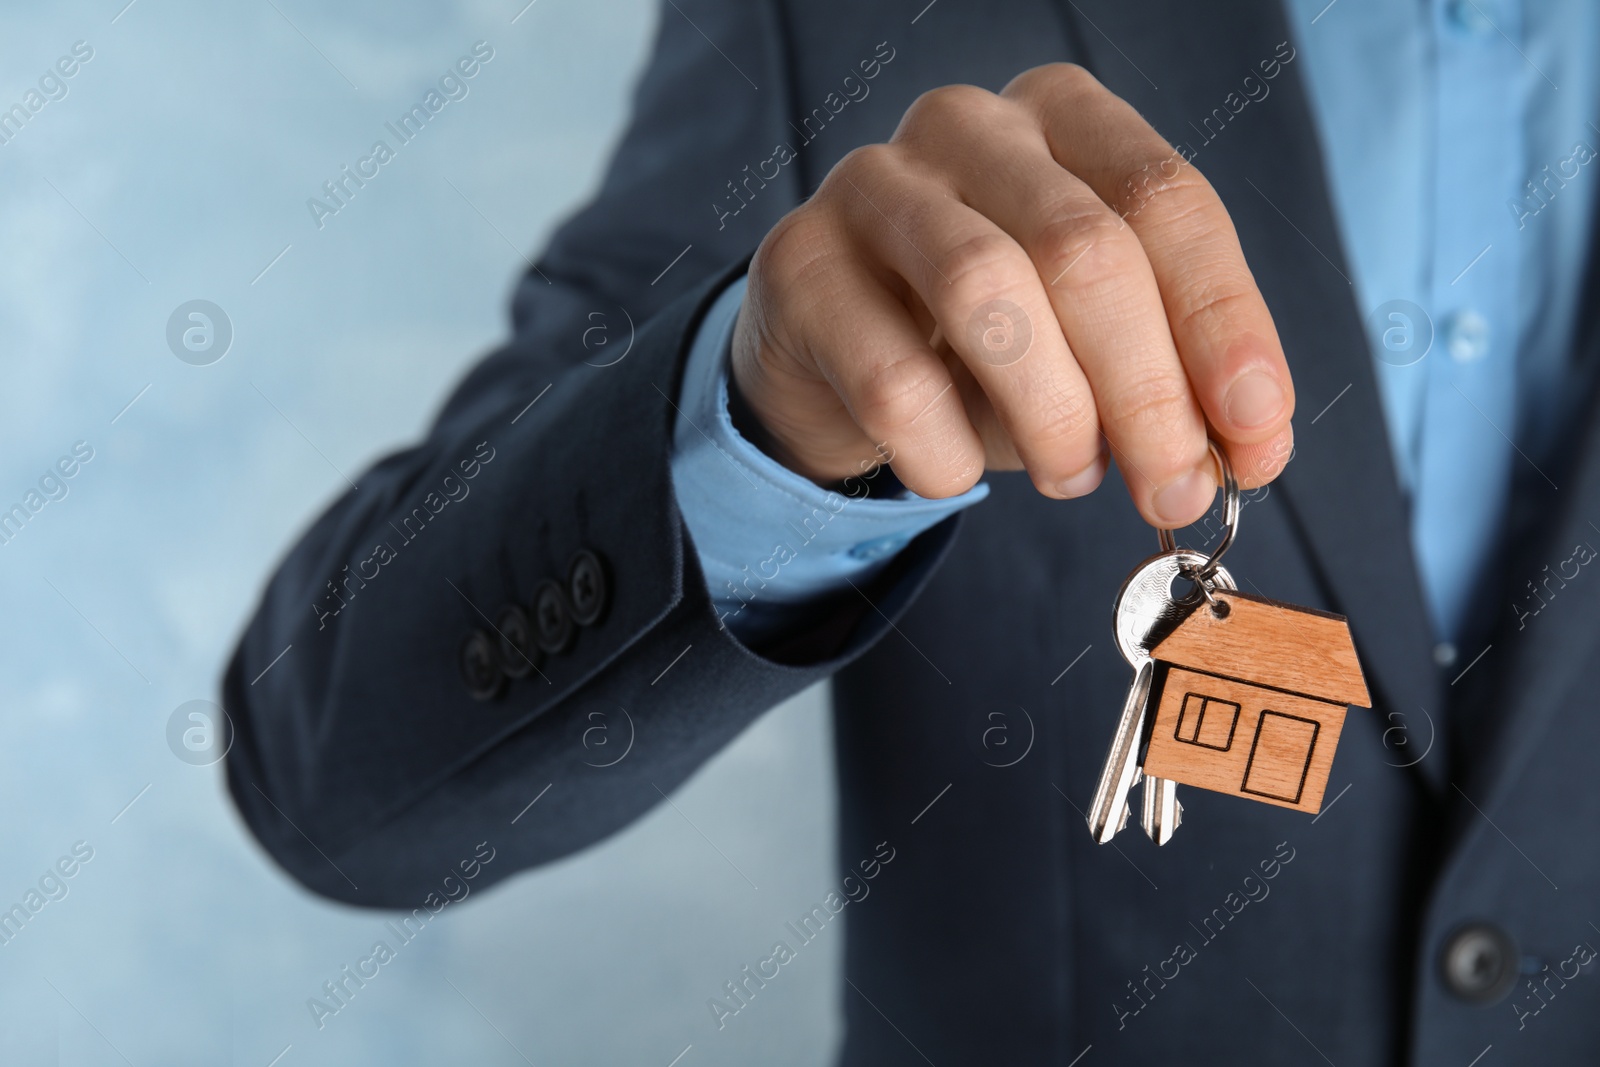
<point x="1219" y="321"/>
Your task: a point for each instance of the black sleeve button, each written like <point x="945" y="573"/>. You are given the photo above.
<point x="588" y="589"/>
<point x="519" y="655"/>
<point x="552" y="620"/>
<point x="480" y="667"/>
<point x="1479" y="963"/>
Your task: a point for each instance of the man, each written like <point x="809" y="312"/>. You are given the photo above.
<point x="1001" y="251"/>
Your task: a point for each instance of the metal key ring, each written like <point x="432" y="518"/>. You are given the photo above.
<point x="1230" y="522"/>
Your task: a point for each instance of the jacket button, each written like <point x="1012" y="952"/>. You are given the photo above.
<point x="552" y="621"/>
<point x="1479" y="962"/>
<point x="519" y="655"/>
<point x="480" y="667"/>
<point x="587" y="588"/>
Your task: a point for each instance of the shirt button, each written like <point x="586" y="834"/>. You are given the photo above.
<point x="1466" y="336"/>
<point x="1444" y="654"/>
<point x="879" y="547"/>
<point x="1471" y="17"/>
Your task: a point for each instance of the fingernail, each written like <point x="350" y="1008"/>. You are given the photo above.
<point x="1254" y="400"/>
<point x="1085" y="481"/>
<point x="1184" y="500"/>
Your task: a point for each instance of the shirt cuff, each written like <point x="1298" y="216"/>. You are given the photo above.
<point x="769" y="540"/>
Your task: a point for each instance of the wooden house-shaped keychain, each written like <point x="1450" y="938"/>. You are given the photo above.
<point x="1250" y="696"/>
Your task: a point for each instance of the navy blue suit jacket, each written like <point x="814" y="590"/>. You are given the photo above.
<point x="1009" y="937"/>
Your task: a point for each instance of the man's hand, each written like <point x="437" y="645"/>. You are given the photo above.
<point x="1012" y="282"/>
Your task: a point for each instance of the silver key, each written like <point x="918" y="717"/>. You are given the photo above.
<point x="1109" y="812"/>
<point x="1145" y="610"/>
<point x="1162" y="813"/>
<point x="1145" y="613"/>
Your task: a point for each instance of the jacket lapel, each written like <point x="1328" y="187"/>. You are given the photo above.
<point x="1340" y="489"/>
<point x="1545" y="603"/>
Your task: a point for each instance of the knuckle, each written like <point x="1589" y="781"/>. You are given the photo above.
<point x="1085" y="246"/>
<point x="1169" y="190"/>
<point x="1212" y="302"/>
<point x="893" y="396"/>
<point x="795" y="249"/>
<point x="1067" y="430"/>
<point x="978" y="268"/>
<point x="868" y="163"/>
<point x="868" y="180"/>
<point x="1153" y="406"/>
<point x="947" y="103"/>
<point x="1053" y="79"/>
<point x="1072" y="75"/>
<point x="863" y="172"/>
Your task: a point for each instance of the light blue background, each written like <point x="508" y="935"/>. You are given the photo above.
<point x="189" y="144"/>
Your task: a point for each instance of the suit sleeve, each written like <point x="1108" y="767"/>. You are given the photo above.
<point x="365" y="758"/>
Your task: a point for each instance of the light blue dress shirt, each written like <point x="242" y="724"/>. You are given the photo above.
<point x="1452" y="131"/>
<point x="1460" y="150"/>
